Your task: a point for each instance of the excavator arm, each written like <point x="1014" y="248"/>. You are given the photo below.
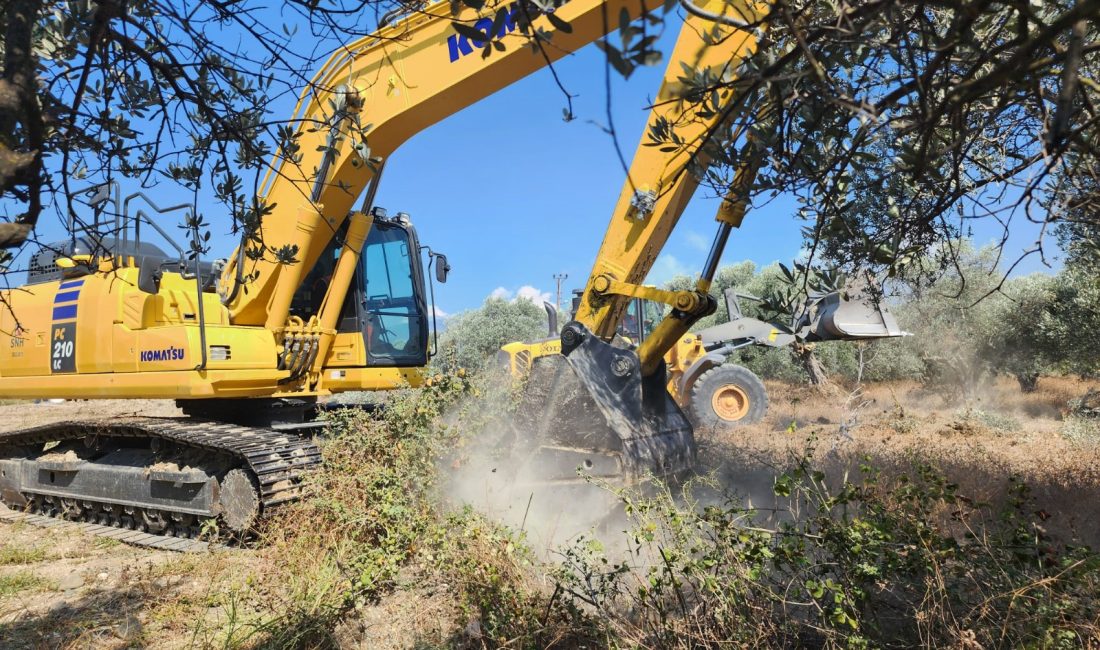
<point x="662" y="179"/>
<point x="381" y="90"/>
<point x="367" y="100"/>
<point x="629" y="387"/>
<point x="377" y="92"/>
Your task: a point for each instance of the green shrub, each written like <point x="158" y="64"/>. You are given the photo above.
<point x="16" y="583"/>
<point x="861" y="563"/>
<point x="371" y="508"/>
<point x="776" y="364"/>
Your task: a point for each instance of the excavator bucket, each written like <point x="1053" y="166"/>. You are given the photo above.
<point x="853" y="313"/>
<point x="599" y="415"/>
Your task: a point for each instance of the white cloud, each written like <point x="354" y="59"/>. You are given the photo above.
<point x="439" y="313"/>
<point x="665" y="268"/>
<point x="697" y="241"/>
<point x="527" y="292"/>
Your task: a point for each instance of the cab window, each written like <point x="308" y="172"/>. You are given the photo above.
<point x="652" y="314"/>
<point x="395" y="326"/>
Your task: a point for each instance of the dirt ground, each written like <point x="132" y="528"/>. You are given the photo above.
<point x="68" y="590"/>
<point x="981" y="441"/>
<point x="19" y="415"/>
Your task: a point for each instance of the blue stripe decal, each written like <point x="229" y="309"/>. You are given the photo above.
<point x="64" y="312"/>
<point x="68" y="296"/>
<point x="72" y="284"/>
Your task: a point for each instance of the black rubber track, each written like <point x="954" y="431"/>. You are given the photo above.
<point x="279" y="461"/>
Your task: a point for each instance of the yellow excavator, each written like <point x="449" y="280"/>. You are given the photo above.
<point x="320" y="298"/>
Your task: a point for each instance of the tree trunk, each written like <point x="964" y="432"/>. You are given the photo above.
<point x="1029" y="381"/>
<point x="20" y="148"/>
<point x="814" y="370"/>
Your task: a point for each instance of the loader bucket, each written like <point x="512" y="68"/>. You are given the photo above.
<point x="851" y="314"/>
<point x="599" y="415"/>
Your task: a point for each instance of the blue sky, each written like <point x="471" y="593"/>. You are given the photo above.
<point x="513" y="194"/>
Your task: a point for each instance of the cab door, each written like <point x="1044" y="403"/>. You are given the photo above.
<point x="393" y="307"/>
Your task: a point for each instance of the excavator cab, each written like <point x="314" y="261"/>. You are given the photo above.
<point x="388" y="301"/>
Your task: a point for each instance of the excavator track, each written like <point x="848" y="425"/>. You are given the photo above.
<point x="132" y="537"/>
<point x="155" y="479"/>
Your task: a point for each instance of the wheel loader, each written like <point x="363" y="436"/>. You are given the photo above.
<point x="711" y="391"/>
<point x="320" y="297"/>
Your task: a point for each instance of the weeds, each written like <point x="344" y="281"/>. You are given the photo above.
<point x="15" y="583"/>
<point x="861" y="564"/>
<point x="972" y="421"/>
<point x="1082" y="419"/>
<point x="1083" y="431"/>
<point x="370" y="512"/>
<point x="901" y="421"/>
<point x="11" y="554"/>
<point x="104" y="543"/>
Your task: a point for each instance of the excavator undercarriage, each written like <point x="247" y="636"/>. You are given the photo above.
<point x="161" y="476"/>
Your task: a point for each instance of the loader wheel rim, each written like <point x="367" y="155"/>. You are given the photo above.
<point x="730" y="402"/>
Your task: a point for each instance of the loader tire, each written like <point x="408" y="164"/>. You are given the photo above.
<point x="727" y="396"/>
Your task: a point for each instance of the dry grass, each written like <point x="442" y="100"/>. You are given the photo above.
<point x="329" y="576"/>
<point x="980" y="445"/>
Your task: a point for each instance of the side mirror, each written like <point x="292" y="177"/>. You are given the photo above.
<point x="442" y="268"/>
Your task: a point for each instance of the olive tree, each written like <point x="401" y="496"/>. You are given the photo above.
<point x="151" y="92"/>
<point x="895" y="123"/>
<point x="898" y="123"/>
<point x="473" y="337"/>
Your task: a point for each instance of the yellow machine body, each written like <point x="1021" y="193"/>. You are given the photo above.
<point x="388" y="86"/>
<point x="99" y="336"/>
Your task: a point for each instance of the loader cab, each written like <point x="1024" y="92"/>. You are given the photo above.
<point x="640" y="319"/>
<point x="388" y="301"/>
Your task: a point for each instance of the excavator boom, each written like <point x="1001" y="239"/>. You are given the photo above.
<point x="374" y="95"/>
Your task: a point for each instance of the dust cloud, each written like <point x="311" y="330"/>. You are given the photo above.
<point x="550" y="515"/>
<point x="986" y="440"/>
<point x="515" y="466"/>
